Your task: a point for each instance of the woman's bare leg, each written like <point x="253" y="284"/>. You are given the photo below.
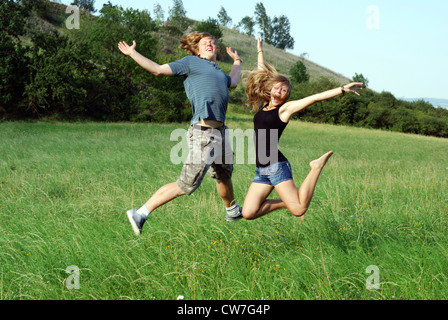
<point x="256" y="203"/>
<point x="298" y="201"/>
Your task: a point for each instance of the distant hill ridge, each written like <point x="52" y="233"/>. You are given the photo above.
<point x="282" y="60"/>
<point x="443" y="103"/>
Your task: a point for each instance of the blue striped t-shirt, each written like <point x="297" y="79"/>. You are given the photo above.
<point x="206" y="85"/>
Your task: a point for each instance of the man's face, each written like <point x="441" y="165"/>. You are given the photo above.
<point x="207" y="49"/>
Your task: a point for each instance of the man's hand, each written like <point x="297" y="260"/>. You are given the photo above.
<point x="233" y="54"/>
<point x="151" y="66"/>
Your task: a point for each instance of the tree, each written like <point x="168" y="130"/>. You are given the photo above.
<point x="159" y="14"/>
<point x="304" y="55"/>
<point x="281" y="37"/>
<point x="361" y="78"/>
<point x="212" y="26"/>
<point x="223" y="17"/>
<point x="264" y="22"/>
<point x="274" y="31"/>
<point x="14" y="57"/>
<point x="247" y="24"/>
<point x="88" y="5"/>
<point x="178" y="15"/>
<point x="13" y="14"/>
<point x="58" y="90"/>
<point x="299" y="72"/>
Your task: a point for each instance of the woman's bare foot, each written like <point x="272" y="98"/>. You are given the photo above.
<point x="320" y="163"/>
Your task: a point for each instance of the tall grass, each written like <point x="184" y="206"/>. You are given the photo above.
<point x="381" y="200"/>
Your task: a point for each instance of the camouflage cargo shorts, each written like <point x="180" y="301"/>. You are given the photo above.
<point x="209" y="152"/>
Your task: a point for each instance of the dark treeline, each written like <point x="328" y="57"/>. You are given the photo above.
<point x="373" y="110"/>
<point x="57" y="73"/>
<point x="49" y="71"/>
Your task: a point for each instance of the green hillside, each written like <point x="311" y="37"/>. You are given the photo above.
<point x="284" y="61"/>
<point x="55" y="16"/>
<point x="49" y="71"/>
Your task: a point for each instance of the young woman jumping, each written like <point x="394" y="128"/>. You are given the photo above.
<point x="273" y="170"/>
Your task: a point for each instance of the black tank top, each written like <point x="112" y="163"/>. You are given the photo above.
<point x="268" y="126"/>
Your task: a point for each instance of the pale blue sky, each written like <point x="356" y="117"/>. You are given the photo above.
<point x="399" y="45"/>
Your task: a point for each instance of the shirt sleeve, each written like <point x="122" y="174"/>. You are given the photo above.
<point x="180" y="67"/>
<point x="229" y="81"/>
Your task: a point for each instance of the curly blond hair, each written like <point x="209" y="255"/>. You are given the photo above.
<point x="260" y="84"/>
<point x="190" y="42"/>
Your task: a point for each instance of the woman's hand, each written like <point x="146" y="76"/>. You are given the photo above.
<point x="260" y="44"/>
<point x="126" y="49"/>
<point x="353" y="87"/>
<point x="260" y="54"/>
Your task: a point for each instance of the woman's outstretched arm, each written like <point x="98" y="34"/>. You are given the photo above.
<point x="289" y="108"/>
<point x="260" y="53"/>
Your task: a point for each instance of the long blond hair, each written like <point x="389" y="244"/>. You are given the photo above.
<point x="190" y="42"/>
<point x="260" y="83"/>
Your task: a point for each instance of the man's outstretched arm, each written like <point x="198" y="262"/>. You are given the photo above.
<point x="153" y="67"/>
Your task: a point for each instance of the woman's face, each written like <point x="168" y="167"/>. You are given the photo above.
<point x="279" y="93"/>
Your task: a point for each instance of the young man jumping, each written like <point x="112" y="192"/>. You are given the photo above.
<point x="207" y="88"/>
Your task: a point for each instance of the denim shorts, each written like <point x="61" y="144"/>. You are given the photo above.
<point x="274" y="174"/>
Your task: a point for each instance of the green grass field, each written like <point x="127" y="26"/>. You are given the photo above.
<point x="64" y="189"/>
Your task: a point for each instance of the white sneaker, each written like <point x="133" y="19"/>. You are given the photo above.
<point x="234" y="214"/>
<point x="136" y="220"/>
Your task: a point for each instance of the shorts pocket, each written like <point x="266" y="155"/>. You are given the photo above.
<point x="273" y="169"/>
